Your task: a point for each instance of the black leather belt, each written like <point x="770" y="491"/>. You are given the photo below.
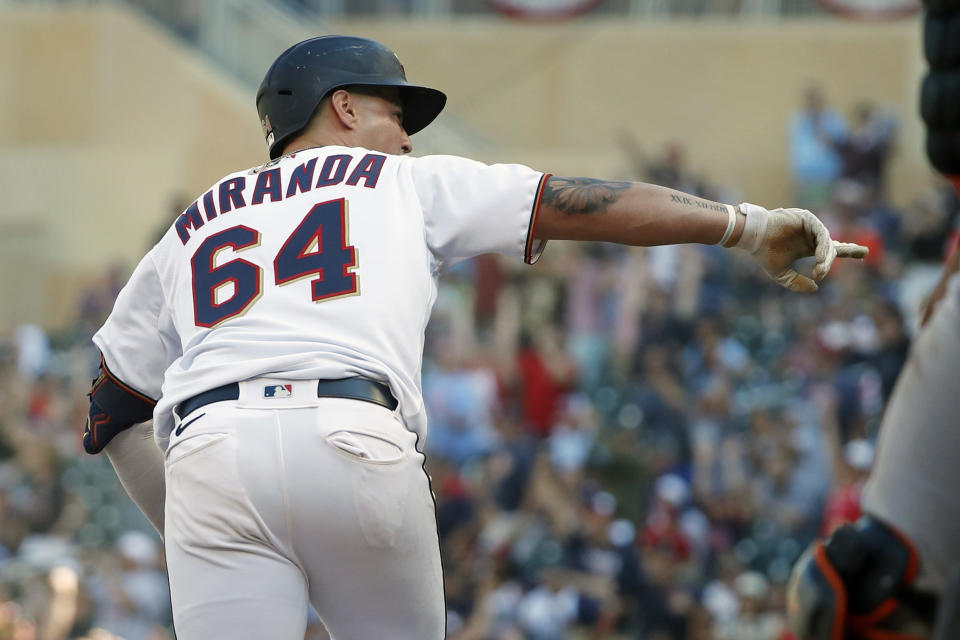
<point x="353" y="388"/>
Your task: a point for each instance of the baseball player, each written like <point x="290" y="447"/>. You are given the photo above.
<point x="881" y="577"/>
<point x="895" y="573"/>
<point x="275" y="336"/>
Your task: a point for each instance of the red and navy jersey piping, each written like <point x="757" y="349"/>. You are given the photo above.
<point x="109" y="374"/>
<point x="533" y="249"/>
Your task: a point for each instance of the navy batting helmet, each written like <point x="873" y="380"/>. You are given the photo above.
<point x="308" y="72"/>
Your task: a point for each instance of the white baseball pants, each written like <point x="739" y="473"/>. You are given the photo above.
<point x="274" y="502"/>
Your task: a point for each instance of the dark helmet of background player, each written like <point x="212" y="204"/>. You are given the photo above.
<point x="303" y="75"/>
<point x="940" y="93"/>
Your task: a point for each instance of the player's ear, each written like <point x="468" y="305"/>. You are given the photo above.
<point x="343" y="104"/>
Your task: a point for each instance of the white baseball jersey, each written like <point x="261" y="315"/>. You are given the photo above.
<point x="321" y="264"/>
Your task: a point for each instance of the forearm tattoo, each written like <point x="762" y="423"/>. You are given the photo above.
<point x="582" y="195"/>
<point x="696" y="202"/>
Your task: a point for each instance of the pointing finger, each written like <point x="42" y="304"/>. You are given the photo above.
<point x="851" y="250"/>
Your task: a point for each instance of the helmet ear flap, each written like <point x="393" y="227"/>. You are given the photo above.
<point x="283" y="114"/>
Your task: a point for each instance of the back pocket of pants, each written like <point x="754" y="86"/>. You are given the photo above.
<point x="380" y="479"/>
<point x="365" y="447"/>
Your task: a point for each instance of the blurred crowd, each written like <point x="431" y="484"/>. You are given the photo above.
<point x="77" y="559"/>
<point x="624" y="442"/>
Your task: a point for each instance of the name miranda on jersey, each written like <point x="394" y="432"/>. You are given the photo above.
<point x="271" y="185"/>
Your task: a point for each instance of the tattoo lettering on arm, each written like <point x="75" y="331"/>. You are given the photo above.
<point x="582" y="195"/>
<point x="680" y="198"/>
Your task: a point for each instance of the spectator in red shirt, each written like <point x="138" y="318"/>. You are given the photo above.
<point x="546" y="373"/>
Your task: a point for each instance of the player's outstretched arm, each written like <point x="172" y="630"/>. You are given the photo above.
<point x="641" y="214"/>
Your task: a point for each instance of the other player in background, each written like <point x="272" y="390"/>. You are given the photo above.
<point x="887" y="575"/>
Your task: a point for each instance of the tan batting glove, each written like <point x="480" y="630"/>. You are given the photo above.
<point x="779" y="237"/>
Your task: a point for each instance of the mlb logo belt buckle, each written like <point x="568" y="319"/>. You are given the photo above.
<point x="277" y="390"/>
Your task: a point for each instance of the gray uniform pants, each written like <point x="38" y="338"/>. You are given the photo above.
<point x="915" y="482"/>
<point x="274" y="502"/>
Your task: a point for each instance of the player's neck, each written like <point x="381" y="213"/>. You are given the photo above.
<point x="313" y="139"/>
